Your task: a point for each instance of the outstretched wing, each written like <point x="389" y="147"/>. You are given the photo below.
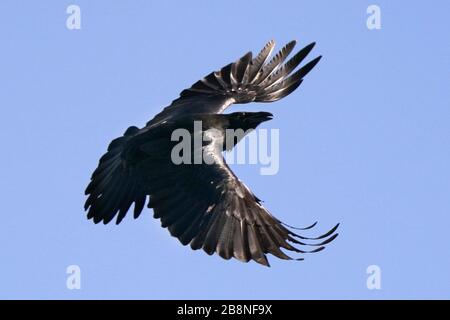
<point x="260" y="79"/>
<point x="208" y="207"/>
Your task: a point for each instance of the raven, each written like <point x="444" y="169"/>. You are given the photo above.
<point x="205" y="205"/>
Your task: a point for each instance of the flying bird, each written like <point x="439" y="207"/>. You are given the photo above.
<point x="205" y="205"/>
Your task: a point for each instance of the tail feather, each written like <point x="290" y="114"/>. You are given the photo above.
<point x="248" y="79"/>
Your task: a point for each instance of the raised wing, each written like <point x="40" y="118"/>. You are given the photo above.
<point x="260" y="79"/>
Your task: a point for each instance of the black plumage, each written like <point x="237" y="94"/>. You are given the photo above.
<point x="205" y="205"/>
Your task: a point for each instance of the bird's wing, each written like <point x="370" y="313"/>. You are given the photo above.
<point x="259" y="79"/>
<point x="208" y="207"/>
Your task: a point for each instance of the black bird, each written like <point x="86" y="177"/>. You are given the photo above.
<point x="205" y="205"/>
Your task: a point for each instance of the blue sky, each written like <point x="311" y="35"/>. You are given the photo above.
<point x="365" y="141"/>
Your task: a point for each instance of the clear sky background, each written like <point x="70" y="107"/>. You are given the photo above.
<point x="365" y="141"/>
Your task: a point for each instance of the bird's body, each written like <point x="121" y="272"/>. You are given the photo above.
<point x="204" y="203"/>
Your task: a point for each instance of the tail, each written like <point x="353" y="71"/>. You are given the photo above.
<point x="248" y="79"/>
<point x="113" y="188"/>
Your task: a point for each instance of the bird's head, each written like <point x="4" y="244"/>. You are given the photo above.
<point x="248" y="120"/>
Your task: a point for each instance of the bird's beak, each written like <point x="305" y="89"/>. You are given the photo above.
<point x="260" y="117"/>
